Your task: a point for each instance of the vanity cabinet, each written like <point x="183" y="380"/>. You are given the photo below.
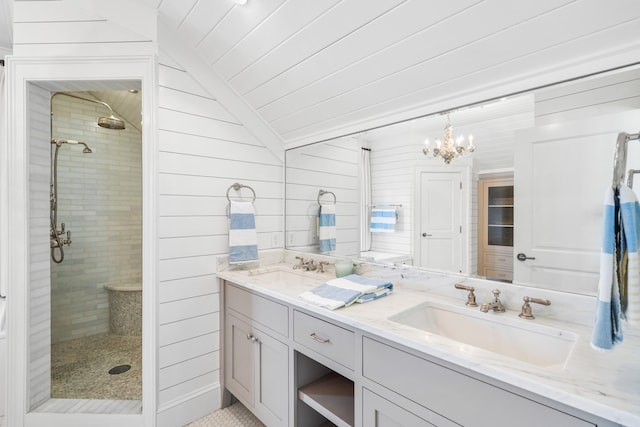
<point x="496" y="229"/>
<point x="324" y="351"/>
<point x="457" y="397"/>
<point x="257" y="363"/>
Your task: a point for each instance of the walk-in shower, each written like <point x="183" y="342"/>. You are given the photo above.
<point x="59" y="237"/>
<point x="96" y="190"/>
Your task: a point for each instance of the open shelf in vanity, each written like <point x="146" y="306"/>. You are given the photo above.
<point x="324" y="397"/>
<point x="332" y="396"/>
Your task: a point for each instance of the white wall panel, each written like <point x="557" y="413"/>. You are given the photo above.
<point x="39" y="288"/>
<point x="188" y="287"/>
<point x="172" y="333"/>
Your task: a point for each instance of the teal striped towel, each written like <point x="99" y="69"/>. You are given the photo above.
<point x="344" y="291"/>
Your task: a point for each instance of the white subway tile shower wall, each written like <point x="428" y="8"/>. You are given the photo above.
<point x="99" y="200"/>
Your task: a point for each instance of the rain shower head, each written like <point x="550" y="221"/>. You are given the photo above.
<point x="111" y="122"/>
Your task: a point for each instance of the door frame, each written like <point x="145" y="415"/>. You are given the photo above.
<point x="465" y="208"/>
<point x="15" y="261"/>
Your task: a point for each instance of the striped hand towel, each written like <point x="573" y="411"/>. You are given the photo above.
<point x="619" y="283"/>
<point x="344" y="291"/>
<point x="630" y="225"/>
<point x="243" y="239"/>
<point x="383" y="220"/>
<point x="327" y="227"/>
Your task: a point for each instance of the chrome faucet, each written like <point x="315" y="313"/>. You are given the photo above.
<point x="495" y="305"/>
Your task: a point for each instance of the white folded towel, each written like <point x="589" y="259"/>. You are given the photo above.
<point x="327" y="227"/>
<point x="243" y="239"/>
<point x="344" y="291"/>
<point x="383" y="220"/>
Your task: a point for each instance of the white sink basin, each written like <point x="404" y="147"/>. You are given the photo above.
<point x="520" y="339"/>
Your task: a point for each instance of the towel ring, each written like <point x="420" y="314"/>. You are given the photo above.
<point x="237" y="187"/>
<point x="322" y="193"/>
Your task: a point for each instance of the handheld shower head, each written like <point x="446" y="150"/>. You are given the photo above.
<point x="59" y="142"/>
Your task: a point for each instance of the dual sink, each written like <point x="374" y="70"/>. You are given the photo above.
<point x="500" y="333"/>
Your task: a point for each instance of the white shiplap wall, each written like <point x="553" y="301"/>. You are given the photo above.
<point x="203" y="151"/>
<point x="332" y="166"/>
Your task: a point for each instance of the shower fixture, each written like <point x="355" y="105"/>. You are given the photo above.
<point x="57" y="236"/>
<point x="111" y="122"/>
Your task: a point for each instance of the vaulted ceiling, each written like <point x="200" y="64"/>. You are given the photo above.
<point x="323" y="67"/>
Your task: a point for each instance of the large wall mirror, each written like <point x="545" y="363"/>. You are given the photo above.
<point x="525" y="207"/>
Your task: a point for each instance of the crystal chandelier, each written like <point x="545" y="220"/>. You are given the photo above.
<point x="450" y="148"/>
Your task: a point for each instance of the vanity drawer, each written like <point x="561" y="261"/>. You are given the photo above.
<point x="270" y="314"/>
<point x="453" y="395"/>
<point x="498" y="273"/>
<point x="327" y="339"/>
<point x="500" y="261"/>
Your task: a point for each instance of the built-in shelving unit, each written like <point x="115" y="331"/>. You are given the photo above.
<point x="496" y="228"/>
<point x="332" y="397"/>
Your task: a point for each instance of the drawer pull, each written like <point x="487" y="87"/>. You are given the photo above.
<point x="319" y="339"/>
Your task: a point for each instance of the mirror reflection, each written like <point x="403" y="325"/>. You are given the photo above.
<point x="524" y="207"/>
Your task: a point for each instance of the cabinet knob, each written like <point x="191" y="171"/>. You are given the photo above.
<point x="252" y="338"/>
<point x="426" y="235"/>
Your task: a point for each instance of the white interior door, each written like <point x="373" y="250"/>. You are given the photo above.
<point x="440" y="220"/>
<point x="561" y="174"/>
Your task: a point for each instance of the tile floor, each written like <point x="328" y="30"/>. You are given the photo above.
<point x="235" y="415"/>
<point x="80" y="368"/>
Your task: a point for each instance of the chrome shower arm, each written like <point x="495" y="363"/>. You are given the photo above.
<point x="84" y="99"/>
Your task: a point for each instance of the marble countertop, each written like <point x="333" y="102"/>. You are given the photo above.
<point x="605" y="384"/>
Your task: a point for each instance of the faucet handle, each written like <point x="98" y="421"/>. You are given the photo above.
<point x="526" y="312"/>
<point x="471" y="298"/>
<point x="321" y="265"/>
<point x="496" y="294"/>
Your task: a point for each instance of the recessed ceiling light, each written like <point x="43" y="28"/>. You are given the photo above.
<point x="241" y="2"/>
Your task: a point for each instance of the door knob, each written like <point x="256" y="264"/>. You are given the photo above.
<point x="524" y="257"/>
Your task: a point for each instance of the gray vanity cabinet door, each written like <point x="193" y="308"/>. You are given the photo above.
<point x="380" y="412"/>
<point x="271" y="396"/>
<point x="239" y="356"/>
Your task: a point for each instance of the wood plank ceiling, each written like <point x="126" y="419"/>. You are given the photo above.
<point x="325" y="67"/>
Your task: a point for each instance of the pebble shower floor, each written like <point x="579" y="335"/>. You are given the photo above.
<point x="80" y="368"/>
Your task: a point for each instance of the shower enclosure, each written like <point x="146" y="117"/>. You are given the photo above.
<point x="96" y="242"/>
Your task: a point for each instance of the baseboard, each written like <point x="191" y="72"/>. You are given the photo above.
<point x="190" y="407"/>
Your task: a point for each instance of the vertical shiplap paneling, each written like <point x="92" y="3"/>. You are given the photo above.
<point x="203" y="150"/>
<point x="39" y="275"/>
<point x="335" y="167"/>
<point x="99" y="200"/>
